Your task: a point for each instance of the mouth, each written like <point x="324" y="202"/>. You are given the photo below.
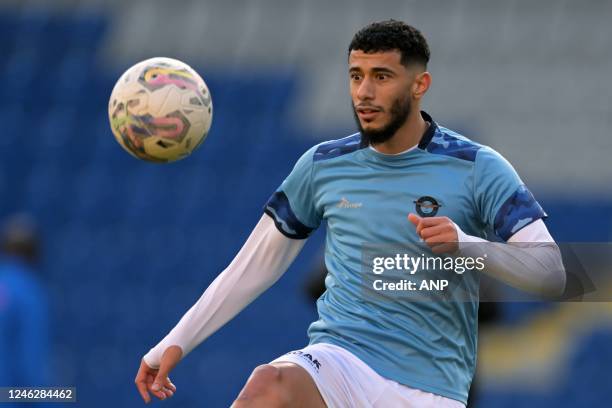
<point x="367" y="113"/>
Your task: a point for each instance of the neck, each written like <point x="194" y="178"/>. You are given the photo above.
<point x="409" y="135"/>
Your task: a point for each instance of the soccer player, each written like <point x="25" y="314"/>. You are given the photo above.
<point x="402" y="178"/>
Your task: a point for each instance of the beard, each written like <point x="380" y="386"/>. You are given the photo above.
<point x="400" y="110"/>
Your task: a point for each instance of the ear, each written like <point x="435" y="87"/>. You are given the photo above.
<point x="421" y="84"/>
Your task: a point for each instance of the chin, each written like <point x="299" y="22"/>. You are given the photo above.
<point x="369" y="127"/>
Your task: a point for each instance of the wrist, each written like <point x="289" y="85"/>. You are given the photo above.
<point x="464" y="240"/>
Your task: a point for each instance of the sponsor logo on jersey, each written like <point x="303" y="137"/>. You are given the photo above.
<point x="344" y="203"/>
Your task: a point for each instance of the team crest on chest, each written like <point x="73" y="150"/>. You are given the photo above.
<point x="426" y="206"/>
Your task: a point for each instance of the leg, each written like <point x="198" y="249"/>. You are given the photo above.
<point x="279" y="385"/>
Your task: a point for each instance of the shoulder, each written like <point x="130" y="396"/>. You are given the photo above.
<point x="449" y="143"/>
<point x="329" y="149"/>
<point x="490" y="163"/>
<point x="336" y="148"/>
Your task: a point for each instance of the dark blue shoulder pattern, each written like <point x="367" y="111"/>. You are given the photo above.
<point x="335" y="148"/>
<point x="449" y="143"/>
<point x="518" y="211"/>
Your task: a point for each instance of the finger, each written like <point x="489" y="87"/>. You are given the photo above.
<point x="417" y="221"/>
<point x="445" y="237"/>
<point x="439" y="229"/>
<point x="431" y="221"/>
<point x="413" y="218"/>
<point x="172" y="355"/>
<point x="144" y="373"/>
<point x="159" y="384"/>
<point x="158" y="391"/>
<point x="169" y="393"/>
<point x="166" y="386"/>
<point x="142" y="389"/>
<point x="162" y="387"/>
<point x="171" y="386"/>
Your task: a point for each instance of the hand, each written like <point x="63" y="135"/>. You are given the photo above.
<point x="437" y="232"/>
<point x="156" y="380"/>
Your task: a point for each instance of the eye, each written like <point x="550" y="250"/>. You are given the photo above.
<point x="382" y="77"/>
<point x="355" y="77"/>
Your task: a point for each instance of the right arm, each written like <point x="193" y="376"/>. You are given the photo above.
<point x="291" y="215"/>
<point x="263" y="259"/>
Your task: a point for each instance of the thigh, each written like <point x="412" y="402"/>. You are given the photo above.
<point x="279" y="385"/>
<point x="341" y="378"/>
<point x="300" y="385"/>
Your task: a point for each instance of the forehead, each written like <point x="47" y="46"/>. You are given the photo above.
<point x="363" y="60"/>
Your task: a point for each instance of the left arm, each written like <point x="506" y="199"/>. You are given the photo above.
<point x="530" y="260"/>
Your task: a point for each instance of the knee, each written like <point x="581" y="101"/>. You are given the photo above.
<point x="265" y="379"/>
<point x="263" y="389"/>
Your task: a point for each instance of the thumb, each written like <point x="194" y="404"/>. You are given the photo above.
<point x="172" y="355"/>
<point x="415" y="219"/>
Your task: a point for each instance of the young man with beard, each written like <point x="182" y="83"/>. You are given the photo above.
<point x="402" y="178"/>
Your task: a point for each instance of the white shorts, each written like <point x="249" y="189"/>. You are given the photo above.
<point x="345" y="381"/>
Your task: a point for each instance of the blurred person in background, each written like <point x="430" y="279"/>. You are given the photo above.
<point x="24" y="320"/>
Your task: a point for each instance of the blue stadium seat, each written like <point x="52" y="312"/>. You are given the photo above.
<point x="87" y="31"/>
<point x="72" y="77"/>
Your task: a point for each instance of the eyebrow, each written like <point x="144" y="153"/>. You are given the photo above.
<point x="375" y="70"/>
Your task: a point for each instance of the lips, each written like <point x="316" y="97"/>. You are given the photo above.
<point x="367" y="113"/>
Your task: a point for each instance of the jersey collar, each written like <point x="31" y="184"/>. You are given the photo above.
<point x="429" y="132"/>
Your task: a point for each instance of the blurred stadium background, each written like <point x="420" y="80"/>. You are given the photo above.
<point x="129" y="246"/>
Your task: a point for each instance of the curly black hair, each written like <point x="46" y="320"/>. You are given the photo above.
<point x="392" y="35"/>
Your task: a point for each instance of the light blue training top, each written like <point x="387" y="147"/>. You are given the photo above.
<point x="365" y="197"/>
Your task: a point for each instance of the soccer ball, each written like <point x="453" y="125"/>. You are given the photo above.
<point x="160" y="110"/>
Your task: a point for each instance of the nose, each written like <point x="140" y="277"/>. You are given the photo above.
<point x="365" y="91"/>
